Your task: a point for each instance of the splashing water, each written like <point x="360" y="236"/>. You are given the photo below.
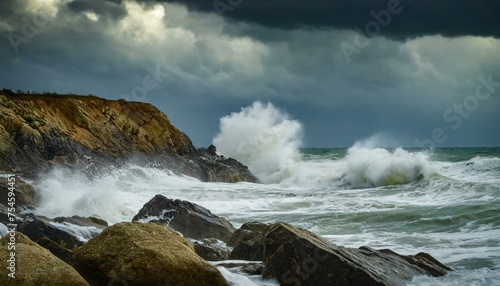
<point x="262" y="137"/>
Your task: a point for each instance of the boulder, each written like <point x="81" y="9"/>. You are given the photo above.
<point x="35" y="265"/>
<point x="248" y="241"/>
<point x="25" y="194"/>
<point x="298" y="257"/>
<point x="39" y="227"/>
<point x="131" y="253"/>
<point x="190" y="219"/>
<point x="211" y="249"/>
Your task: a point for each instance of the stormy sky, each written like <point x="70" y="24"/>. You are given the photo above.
<point x="420" y="72"/>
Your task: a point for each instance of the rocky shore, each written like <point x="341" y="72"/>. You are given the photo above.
<point x="38" y="132"/>
<point x="168" y="241"/>
<point x="174" y="242"/>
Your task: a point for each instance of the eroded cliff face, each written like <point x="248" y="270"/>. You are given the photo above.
<point x="38" y="131"/>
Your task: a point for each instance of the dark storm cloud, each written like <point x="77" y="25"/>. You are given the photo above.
<point x="450" y="18"/>
<point x="112" y="8"/>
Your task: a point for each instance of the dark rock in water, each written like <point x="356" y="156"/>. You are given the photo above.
<point x="25" y="194"/>
<point x="220" y="169"/>
<point x="211" y="249"/>
<point x="36" y="228"/>
<point x="190" y="219"/>
<point x="298" y="257"/>
<point x="83" y="221"/>
<point x="38" y="132"/>
<point x="248" y="241"/>
<point x="212" y="150"/>
<point x="36" y="265"/>
<point x="143" y="254"/>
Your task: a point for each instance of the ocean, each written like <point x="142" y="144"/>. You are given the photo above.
<point x="444" y="201"/>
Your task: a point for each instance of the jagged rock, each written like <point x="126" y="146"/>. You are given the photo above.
<point x="211" y="249"/>
<point x="217" y="168"/>
<point x="35" y="265"/>
<point x="248" y="241"/>
<point x="37" y="227"/>
<point x="40" y="131"/>
<point x="25" y="194"/>
<point x="143" y="254"/>
<point x="192" y="220"/>
<point x="212" y="150"/>
<point x="298" y="257"/>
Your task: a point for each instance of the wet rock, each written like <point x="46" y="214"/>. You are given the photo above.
<point x="298" y="257"/>
<point x="246" y="267"/>
<point x="36" y="265"/>
<point x="218" y="168"/>
<point x="83" y="221"/>
<point x="37" y="228"/>
<point x="192" y="220"/>
<point x="25" y="194"/>
<point x="248" y="241"/>
<point x="38" y="132"/>
<point x="143" y="254"/>
<point x="211" y="249"/>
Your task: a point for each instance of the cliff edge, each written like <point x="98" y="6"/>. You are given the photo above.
<point x="38" y="131"/>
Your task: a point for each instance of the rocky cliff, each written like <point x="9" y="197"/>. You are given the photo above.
<point x="40" y="130"/>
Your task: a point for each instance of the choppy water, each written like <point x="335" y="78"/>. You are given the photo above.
<point x="442" y="201"/>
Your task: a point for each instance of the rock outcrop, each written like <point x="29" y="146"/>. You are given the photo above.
<point x="35" y="265"/>
<point x="38" y="131"/>
<point x="190" y="219"/>
<point x="143" y="254"/>
<point x="25" y="194"/>
<point x="297" y="257"/>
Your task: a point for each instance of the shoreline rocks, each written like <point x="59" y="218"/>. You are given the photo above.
<point x="298" y="257"/>
<point x="190" y="219"/>
<point x="38" y="132"/>
<point x="132" y="253"/>
<point x="36" y="265"/>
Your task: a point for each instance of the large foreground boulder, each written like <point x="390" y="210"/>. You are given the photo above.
<point x="188" y="218"/>
<point x="35" y="265"/>
<point x="143" y="254"/>
<point x="297" y="257"/>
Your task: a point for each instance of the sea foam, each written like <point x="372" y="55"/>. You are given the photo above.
<point x="262" y="137"/>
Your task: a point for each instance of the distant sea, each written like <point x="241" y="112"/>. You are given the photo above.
<point x="444" y="201"/>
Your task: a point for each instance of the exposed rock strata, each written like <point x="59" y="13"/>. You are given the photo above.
<point x="39" y="131"/>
